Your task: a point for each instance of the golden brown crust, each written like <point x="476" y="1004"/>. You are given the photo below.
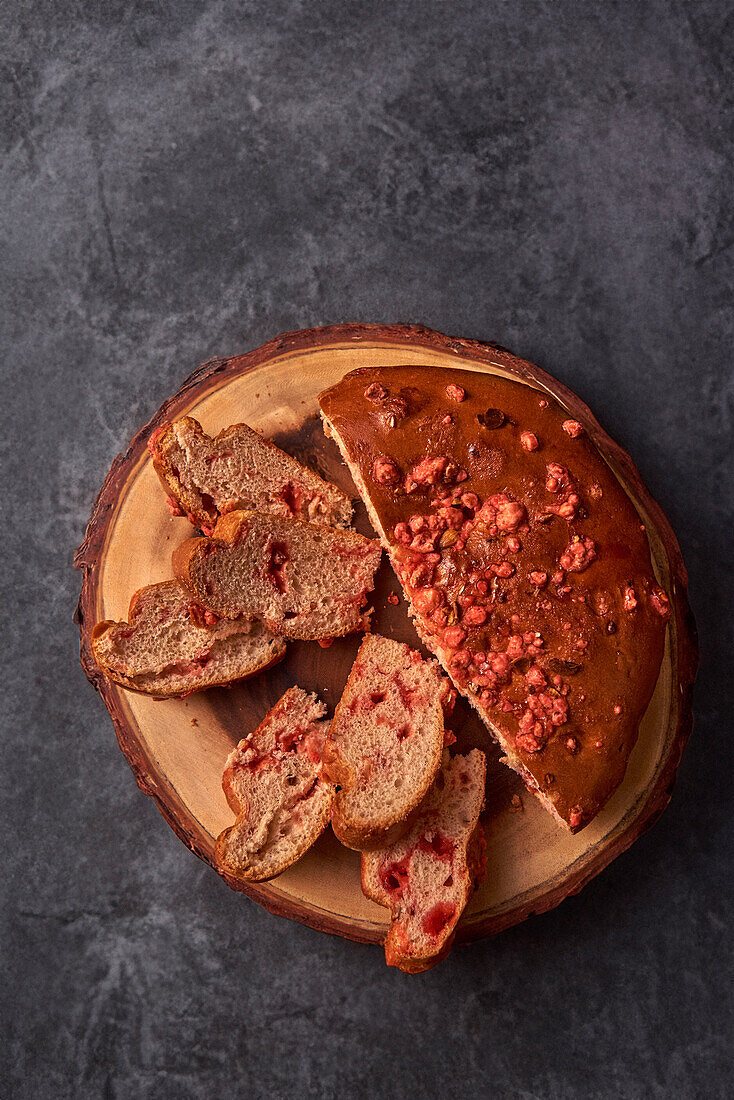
<point x="396" y="955"/>
<point x="183" y="559"/>
<point x="513" y="540"/>
<point x="366" y="840"/>
<point x="191" y="551"/>
<point x="228" y="528"/>
<point x="159" y="445"/>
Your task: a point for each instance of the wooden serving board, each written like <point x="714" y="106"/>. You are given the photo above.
<point x="177" y="748"/>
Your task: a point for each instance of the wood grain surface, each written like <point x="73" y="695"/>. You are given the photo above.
<point x="177" y="748"/>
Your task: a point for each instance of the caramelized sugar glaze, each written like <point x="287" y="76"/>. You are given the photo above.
<point x="527" y="566"/>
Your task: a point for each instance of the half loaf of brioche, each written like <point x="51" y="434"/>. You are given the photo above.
<point x="526" y="565"/>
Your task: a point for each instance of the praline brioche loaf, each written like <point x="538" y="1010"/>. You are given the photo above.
<point x="273" y="782"/>
<point x="427" y="877"/>
<point x="526" y="565"/>
<point x="170" y="646"/>
<point x="385" y="742"/>
<point x="303" y="580"/>
<point x="206" y="477"/>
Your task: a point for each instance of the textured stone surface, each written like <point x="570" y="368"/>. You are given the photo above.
<point x="182" y="180"/>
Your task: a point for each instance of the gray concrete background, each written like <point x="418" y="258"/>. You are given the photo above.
<point x="184" y="180"/>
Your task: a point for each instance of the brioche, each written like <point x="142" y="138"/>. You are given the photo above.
<point x="206" y="477"/>
<point x="171" y="647"/>
<point x="525" y="563"/>
<point x="303" y="580"/>
<point x="273" y="782"/>
<point x="385" y="743"/>
<point x="427" y="877"/>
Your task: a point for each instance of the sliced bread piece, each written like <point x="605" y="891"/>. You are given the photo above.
<point x="385" y="743"/>
<point x="274" y="784"/>
<point x="303" y="580"/>
<point x="170" y="646"/>
<point x="427" y="878"/>
<point x="206" y="477"/>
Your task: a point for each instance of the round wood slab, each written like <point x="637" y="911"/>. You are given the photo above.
<point x="177" y="748"/>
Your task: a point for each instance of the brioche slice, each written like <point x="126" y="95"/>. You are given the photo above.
<point x="385" y="743"/>
<point x="303" y="580"/>
<point x="273" y="782"/>
<point x="170" y="646"/>
<point x="206" y="477"/>
<point x="427" y="878"/>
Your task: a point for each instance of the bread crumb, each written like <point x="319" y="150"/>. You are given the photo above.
<point x="393" y="599"/>
<point x="194" y="721"/>
<point x="516" y="806"/>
